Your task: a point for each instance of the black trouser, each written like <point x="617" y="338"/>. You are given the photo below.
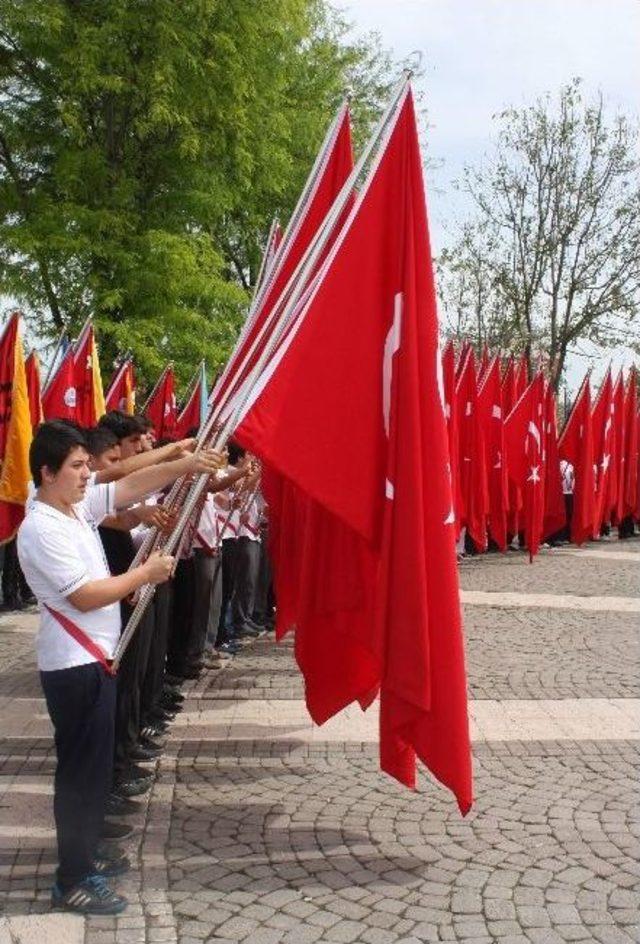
<point x="81" y="704"/>
<point x="146" y="630"/>
<point x="228" y="576"/>
<point x="182" y="612"/>
<point x="626" y="527"/>
<point x="15" y="588"/>
<point x="127" y="718"/>
<point x="215" y="604"/>
<point x="247" y="566"/>
<point x="154" y="676"/>
<point x="263" y="603"/>
<point x="204" y="566"/>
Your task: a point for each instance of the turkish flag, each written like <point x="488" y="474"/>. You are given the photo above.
<point x="161" y="405"/>
<point x="121" y="394"/>
<point x="555" y="513"/>
<point x="510" y="397"/>
<point x="617" y="416"/>
<point x="451" y="412"/>
<point x="628" y="497"/>
<point x="59" y="398"/>
<point x="602" y="423"/>
<point x="524" y="431"/>
<point x="492" y="421"/>
<point x="88" y="382"/>
<point x="576" y="446"/>
<point x="471" y="461"/>
<point x="352" y="411"/>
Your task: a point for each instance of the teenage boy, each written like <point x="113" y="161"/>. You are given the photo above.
<point x="63" y="560"/>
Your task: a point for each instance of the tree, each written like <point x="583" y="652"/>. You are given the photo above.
<point x="144" y="148"/>
<point x="551" y="254"/>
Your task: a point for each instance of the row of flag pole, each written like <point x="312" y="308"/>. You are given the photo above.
<point x="376" y="450"/>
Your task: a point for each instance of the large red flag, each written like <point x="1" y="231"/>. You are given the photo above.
<point x="603" y="433"/>
<point x="555" y="514"/>
<point x="161" y="405"/>
<point x="492" y="419"/>
<point x="32" y="371"/>
<point x="352" y="411"/>
<point x="471" y="462"/>
<point x="576" y="446"/>
<point x="59" y="398"/>
<point x="524" y="431"/>
<point x="451" y="411"/>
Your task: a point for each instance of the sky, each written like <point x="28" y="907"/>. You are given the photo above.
<point x="479" y="56"/>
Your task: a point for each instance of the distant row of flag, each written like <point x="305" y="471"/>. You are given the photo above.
<point x="73" y="391"/>
<point x="506" y="451"/>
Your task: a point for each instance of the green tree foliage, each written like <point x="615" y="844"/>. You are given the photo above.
<point x="145" y="146"/>
<point x="551" y="254"/>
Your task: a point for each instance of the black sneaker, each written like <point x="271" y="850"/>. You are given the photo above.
<point x="116" y="831"/>
<point x="155" y="744"/>
<point x="108" y="850"/>
<point x="124" y="789"/>
<point x="136" y="772"/>
<point x="111" y="867"/>
<point x="154" y="731"/>
<point x="117" y="805"/>
<point x="143" y="753"/>
<point x="90" y="896"/>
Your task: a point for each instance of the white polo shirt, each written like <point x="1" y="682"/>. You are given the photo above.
<point x="59" y="553"/>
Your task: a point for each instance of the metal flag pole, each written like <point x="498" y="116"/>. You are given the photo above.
<point x="265" y="265"/>
<point x="303" y="273"/>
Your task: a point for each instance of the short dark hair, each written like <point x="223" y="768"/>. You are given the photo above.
<point x="145" y="423"/>
<point x="99" y="439"/>
<point x="52" y="443"/>
<point x="121" y="424"/>
<point x="236" y="452"/>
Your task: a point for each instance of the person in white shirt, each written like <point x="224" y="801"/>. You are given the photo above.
<point x="63" y="560"/>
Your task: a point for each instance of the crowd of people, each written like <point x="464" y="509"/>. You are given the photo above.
<point x="95" y="494"/>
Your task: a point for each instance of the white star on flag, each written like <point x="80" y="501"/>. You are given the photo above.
<point x="535" y="474"/>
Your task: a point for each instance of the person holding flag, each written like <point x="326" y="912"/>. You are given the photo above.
<point x="63" y="560"/>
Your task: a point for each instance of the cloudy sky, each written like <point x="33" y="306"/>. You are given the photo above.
<point x="481" y="55"/>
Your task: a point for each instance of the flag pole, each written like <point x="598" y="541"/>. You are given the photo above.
<point x="264" y="264"/>
<point x="295" y="289"/>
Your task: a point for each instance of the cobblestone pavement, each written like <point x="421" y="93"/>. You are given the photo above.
<point x="249" y="836"/>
